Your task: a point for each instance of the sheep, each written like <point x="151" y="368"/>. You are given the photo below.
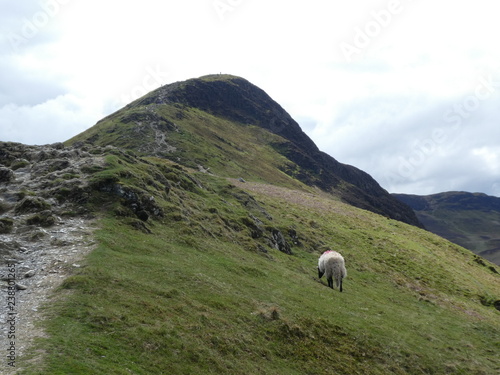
<point x="332" y="264"/>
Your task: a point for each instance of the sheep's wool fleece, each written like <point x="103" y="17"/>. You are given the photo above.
<point x="326" y="256"/>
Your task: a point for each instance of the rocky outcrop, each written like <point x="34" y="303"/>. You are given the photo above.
<point x="141" y="204"/>
<point x="279" y="241"/>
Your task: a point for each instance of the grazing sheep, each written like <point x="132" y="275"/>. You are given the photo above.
<point x="331" y="263"/>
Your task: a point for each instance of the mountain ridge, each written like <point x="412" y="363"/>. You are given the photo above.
<point x="471" y="220"/>
<point x="233" y="99"/>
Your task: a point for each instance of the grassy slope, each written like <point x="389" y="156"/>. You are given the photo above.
<point x="197" y="138"/>
<point x="476" y="230"/>
<point x="200" y="296"/>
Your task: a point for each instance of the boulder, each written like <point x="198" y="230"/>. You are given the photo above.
<point x="279" y="242"/>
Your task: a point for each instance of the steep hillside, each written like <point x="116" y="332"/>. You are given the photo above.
<point x="210" y="220"/>
<point x="471" y="220"/>
<point x="199" y="274"/>
<point x="229" y="126"/>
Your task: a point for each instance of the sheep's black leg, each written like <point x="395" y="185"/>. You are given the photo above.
<point x="320" y="274"/>
<point x="330" y="282"/>
<point x="340" y="284"/>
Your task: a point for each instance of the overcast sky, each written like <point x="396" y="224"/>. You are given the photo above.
<point x="406" y="90"/>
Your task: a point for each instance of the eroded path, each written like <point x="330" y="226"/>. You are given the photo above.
<point x="44" y="237"/>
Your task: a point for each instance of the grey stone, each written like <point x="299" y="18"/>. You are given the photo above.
<point x="30" y="273"/>
<point x="6" y="175"/>
<point x="21" y="286"/>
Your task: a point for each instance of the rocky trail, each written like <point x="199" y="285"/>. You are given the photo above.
<point x="44" y="236"/>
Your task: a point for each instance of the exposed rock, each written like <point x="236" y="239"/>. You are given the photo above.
<point x="6" y="225"/>
<point x="31" y="204"/>
<point x="293" y="235"/>
<point x="51" y="165"/>
<point x="140" y="225"/>
<point x="143" y="215"/>
<point x="9" y="250"/>
<point x="21" y="286"/>
<point x="254" y="225"/>
<point x="279" y="242"/>
<point x="6" y="175"/>
<point x="30" y="273"/>
<point x="138" y="201"/>
<point x="44" y="219"/>
<point x="261" y="248"/>
<point x="249" y="202"/>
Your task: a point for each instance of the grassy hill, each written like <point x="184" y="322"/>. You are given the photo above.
<point x="200" y="286"/>
<point x="213" y="209"/>
<point x="471" y="220"/>
<point x="227" y="125"/>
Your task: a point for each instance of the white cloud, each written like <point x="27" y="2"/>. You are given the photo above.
<point x="52" y="121"/>
<point x="489" y="159"/>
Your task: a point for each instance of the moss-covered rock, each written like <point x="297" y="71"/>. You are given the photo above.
<point x="6" y="175"/>
<point x="43" y="219"/>
<point x="6" y="225"/>
<point x="31" y="204"/>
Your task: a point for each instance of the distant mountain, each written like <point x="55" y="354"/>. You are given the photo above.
<point x="471" y="220"/>
<point x="230" y="127"/>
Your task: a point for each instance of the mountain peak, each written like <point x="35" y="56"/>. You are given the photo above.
<point x="235" y="99"/>
<point x="225" y="123"/>
<point x="220" y="77"/>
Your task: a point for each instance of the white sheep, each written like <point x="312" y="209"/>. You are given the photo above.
<point x="332" y="264"/>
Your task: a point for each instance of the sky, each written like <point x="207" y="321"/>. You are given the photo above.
<point x="406" y="90"/>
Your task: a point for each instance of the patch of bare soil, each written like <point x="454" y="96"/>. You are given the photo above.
<point x="317" y="201"/>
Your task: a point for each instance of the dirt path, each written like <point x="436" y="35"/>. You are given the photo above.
<point x="42" y="240"/>
<point x="39" y="268"/>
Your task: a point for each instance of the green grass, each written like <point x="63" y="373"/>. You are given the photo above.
<point x="197" y="138"/>
<point x="202" y="295"/>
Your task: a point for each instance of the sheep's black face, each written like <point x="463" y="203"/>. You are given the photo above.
<point x="320" y="274"/>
